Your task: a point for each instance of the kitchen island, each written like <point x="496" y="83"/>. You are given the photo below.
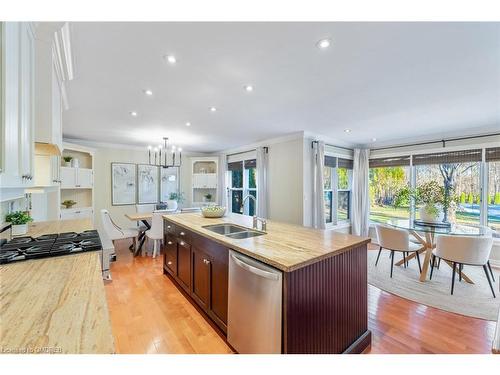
<point x="55" y="305"/>
<point x="324" y="292"/>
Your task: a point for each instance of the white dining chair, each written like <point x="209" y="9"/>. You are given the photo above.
<point x="156" y="231"/>
<point x="396" y="240"/>
<point x="115" y="232"/>
<point x="144" y="209"/>
<point x="464" y="250"/>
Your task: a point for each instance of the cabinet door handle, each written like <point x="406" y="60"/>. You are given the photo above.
<point x="169" y="242"/>
<point x="168" y="227"/>
<point x="182" y="234"/>
<point x="181" y="243"/>
<point x="169" y="263"/>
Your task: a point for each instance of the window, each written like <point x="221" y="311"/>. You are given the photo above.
<point x="493" y="198"/>
<point x="337" y="180"/>
<point x="387" y="177"/>
<point x="242" y="182"/>
<point x="458" y="173"/>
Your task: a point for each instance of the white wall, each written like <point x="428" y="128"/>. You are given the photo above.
<point x="285" y="181"/>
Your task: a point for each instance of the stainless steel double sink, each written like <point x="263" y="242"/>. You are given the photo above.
<point x="233" y="231"/>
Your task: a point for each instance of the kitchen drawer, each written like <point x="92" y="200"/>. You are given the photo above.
<point x="170" y="251"/>
<point x="169" y="227"/>
<point x="183" y="234"/>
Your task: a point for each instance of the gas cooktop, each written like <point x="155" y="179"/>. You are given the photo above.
<point x="49" y="245"/>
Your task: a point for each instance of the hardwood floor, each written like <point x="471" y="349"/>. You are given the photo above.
<point x="149" y="315"/>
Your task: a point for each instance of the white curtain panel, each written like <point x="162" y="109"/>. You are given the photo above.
<point x="319" y="197"/>
<point x="262" y="170"/>
<point x="360" y="193"/>
<point x="222" y="190"/>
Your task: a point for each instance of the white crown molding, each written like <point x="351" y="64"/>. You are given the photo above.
<point x="121" y="146"/>
<point x="268" y="142"/>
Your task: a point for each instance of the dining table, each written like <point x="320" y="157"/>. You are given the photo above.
<point x="425" y="234"/>
<point x="145" y="218"/>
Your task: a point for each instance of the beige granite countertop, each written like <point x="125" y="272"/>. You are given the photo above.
<point x="55" y="305"/>
<point x="285" y="246"/>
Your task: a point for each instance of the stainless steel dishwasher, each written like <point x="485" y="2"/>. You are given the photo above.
<point x="254" y="305"/>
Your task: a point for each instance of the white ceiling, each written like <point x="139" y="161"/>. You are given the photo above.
<point x="397" y="82"/>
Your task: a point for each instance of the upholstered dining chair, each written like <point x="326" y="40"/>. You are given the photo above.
<point x="115" y="232"/>
<point x="396" y="240"/>
<point x="141" y="209"/>
<point x="156" y="231"/>
<point x="464" y="250"/>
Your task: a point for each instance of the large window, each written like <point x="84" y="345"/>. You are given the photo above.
<point x="387" y="177"/>
<point x="337" y="180"/>
<point x="469" y="178"/>
<point x="458" y="173"/>
<point x="493" y="197"/>
<point x="242" y="182"/>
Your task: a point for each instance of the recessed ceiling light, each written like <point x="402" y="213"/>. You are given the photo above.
<point x="249" y="88"/>
<point x="213" y="109"/>
<point x="347" y="130"/>
<point x="323" y="43"/>
<point x="171" y="59"/>
<point x="188" y="124"/>
<point x="374" y="139"/>
<point x="133" y="113"/>
<point x="148" y="92"/>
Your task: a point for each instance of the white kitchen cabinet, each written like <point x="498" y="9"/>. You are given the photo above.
<point x="204" y="180"/>
<point x="49" y="87"/>
<point x="76" y="213"/>
<point x="74" y="178"/>
<point x="68" y="178"/>
<point x="17" y="115"/>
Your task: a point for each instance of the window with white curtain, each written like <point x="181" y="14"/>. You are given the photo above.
<point x="242" y="182"/>
<point x="337" y="183"/>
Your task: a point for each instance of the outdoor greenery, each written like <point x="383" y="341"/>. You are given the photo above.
<point x="459" y="186"/>
<point x="18" y="218"/>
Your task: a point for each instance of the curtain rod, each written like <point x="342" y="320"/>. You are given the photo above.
<point x="326" y="144"/>
<point x="244" y="152"/>
<point x="443" y="141"/>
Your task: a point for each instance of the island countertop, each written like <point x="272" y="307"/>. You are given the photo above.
<point x="55" y="305"/>
<point x="287" y="247"/>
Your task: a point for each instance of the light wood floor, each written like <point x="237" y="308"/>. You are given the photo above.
<point x="149" y="315"/>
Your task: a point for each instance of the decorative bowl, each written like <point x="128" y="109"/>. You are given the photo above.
<point x="213" y="211"/>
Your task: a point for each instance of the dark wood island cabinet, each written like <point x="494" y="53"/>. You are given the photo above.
<point x="324" y="298"/>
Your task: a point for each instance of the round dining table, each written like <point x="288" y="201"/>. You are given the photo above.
<point x="425" y="234"/>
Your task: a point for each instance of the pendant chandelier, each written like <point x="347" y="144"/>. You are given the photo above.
<point x="165" y="155"/>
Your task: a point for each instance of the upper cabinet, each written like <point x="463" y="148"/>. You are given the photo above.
<point x="17" y="104"/>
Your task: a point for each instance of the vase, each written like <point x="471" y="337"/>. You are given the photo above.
<point x="19" y="229"/>
<point x="67" y="164"/>
<point x="172" y="204"/>
<point x="430" y="218"/>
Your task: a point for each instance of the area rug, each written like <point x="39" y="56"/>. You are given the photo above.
<point x="473" y="300"/>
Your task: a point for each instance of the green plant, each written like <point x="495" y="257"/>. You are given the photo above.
<point x="179" y="197"/>
<point x="429" y="195"/>
<point x="67" y="159"/>
<point x="208" y="196"/>
<point x="18" y="218"/>
<point x="68" y="203"/>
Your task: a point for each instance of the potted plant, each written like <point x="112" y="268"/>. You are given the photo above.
<point x="174" y="200"/>
<point x="19" y="221"/>
<point x="430" y="198"/>
<point x="67" y="160"/>
<point x="68" y="203"/>
<point x="207" y="197"/>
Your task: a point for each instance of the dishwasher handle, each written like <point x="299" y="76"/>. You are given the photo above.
<point x="255" y="270"/>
